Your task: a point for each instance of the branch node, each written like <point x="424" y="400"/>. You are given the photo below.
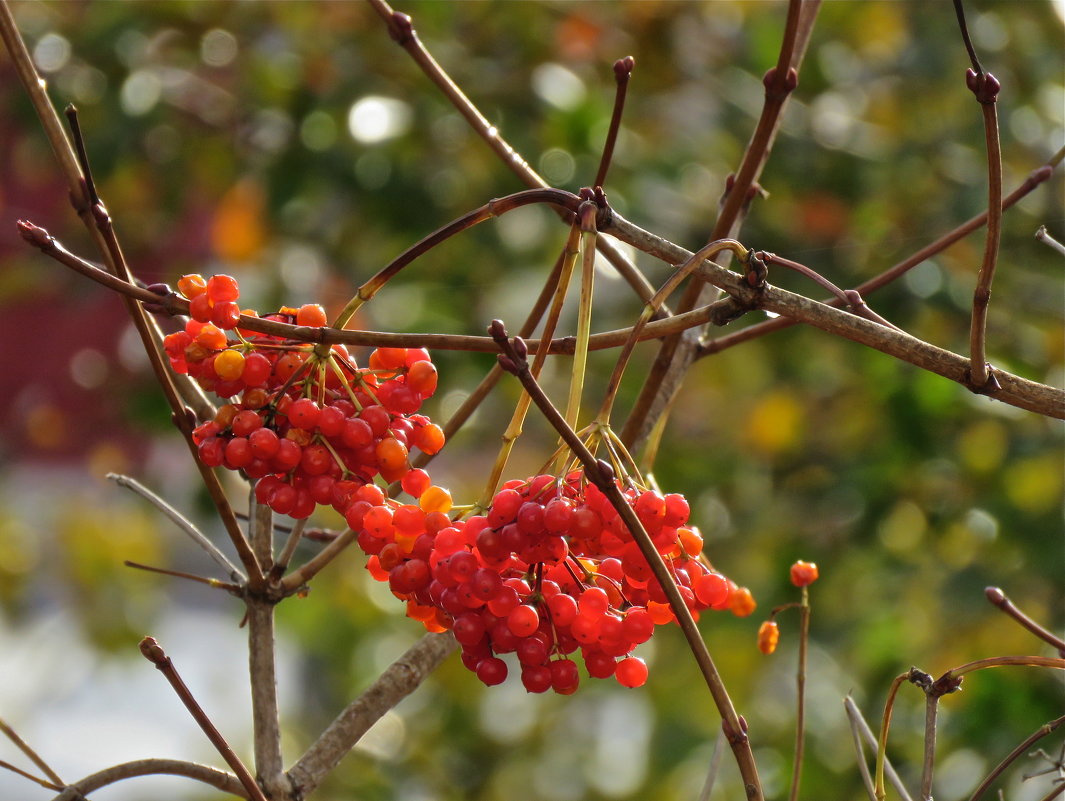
<point x="400" y="28"/>
<point x="984" y="86"/>
<point x="777" y="86"/>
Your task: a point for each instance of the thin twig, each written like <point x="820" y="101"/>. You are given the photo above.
<point x="1044" y="236"/>
<point x="33" y="756"/>
<point x="401" y="29"/>
<point x="985" y="87"/>
<point x="152" y="651"/>
<point x="622" y="72"/>
<point x="182" y="522"/>
<point x="997" y="597"/>
<point x="26" y="775"/>
<point x="1016" y="753"/>
<point x="867" y="732"/>
<point x="294" y="536"/>
<point x="513" y="360"/>
<point x="854" y="717"/>
<point x="234" y="589"/>
<point x="931" y="713"/>
<point x="398" y="681"/>
<point x="885" y="727"/>
<point x="219" y="779"/>
<point x="301" y="575"/>
<point x="715" y="766"/>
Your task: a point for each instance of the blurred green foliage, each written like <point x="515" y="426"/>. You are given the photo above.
<point x="295" y="146"/>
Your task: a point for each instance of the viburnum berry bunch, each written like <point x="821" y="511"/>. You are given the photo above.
<point x="549" y="570"/>
<point x="305" y="421"/>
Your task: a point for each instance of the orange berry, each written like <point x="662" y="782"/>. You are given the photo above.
<point x="803" y="573"/>
<point x="741" y="602"/>
<point x="435" y="499"/>
<point x="690" y="541"/>
<point x="429" y="438"/>
<point x="391" y="454"/>
<point x="229" y="364"/>
<point x="311" y="314"/>
<point x="212" y="337"/>
<point x="768" y="637"/>
<point x="191" y="285"/>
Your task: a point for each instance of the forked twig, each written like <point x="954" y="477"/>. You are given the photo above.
<point x="182" y="522"/>
<point x="33" y="756"/>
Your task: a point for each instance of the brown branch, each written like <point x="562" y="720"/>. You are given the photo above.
<point x="997" y="597"/>
<point x="985" y="87"/>
<point x="399" y="680"/>
<point x="622" y="72"/>
<point x="1028" y="742"/>
<point x="219" y="779"/>
<point x="151" y="651"/>
<point x="1013" y="390"/>
<point x="677" y="352"/>
<point x="304" y="573"/>
<point x="1034" y="179"/>
<point x="30" y="753"/>
<point x="401" y="29"/>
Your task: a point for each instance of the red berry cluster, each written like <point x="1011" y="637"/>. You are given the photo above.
<point x="311" y="426"/>
<point x="550" y="570"/>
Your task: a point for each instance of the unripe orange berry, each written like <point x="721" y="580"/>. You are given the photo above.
<point x="311" y="314"/>
<point x="768" y="637"/>
<point x="741" y="602"/>
<point x="803" y="573"/>
<point x="229" y="364"/>
<point x="435" y="499"/>
<point x="191" y="285"/>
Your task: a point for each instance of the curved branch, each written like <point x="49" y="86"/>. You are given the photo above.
<point x="219" y="779"/>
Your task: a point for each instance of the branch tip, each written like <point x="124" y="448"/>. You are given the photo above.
<point x="153" y="652"/>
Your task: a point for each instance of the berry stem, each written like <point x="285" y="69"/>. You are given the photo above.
<point x="800" y="684"/>
<point x="584" y="312"/>
<point x="885" y="726"/>
<point x="514" y="429"/>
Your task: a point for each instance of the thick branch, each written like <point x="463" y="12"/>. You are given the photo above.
<point x="1012" y="389"/>
<point x="397" y="682"/>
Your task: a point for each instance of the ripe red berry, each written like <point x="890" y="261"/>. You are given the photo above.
<point x="311" y="314"/>
<point x="222" y="288"/>
<point x="631" y="672"/>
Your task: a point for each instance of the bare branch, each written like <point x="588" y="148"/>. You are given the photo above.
<point x="398" y="681"/>
<point x="151" y="651"/>
<point x="33" y="756"/>
<point x="219" y="779"/>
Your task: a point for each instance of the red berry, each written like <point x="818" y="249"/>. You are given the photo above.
<point x="803" y="573"/>
<point x="631" y="672"/>
<point x="222" y="288"/>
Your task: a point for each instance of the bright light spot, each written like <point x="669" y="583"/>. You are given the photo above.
<point x="51" y="53"/>
<point x="989" y="32"/>
<point x="557" y="166"/>
<point x="558" y="86"/>
<point x="384" y="739"/>
<point x="924" y="280"/>
<point x="507" y="712"/>
<point x="375" y="119"/>
<point x="88" y="368"/>
<point x="832" y="120"/>
<point x="301" y="268"/>
<point x="218" y="48"/>
<point x="619" y="763"/>
<point x="140" y="92"/>
<point x="981" y="523"/>
<point x="318" y="131"/>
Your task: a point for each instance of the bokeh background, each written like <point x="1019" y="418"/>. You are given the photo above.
<point x="293" y="145"/>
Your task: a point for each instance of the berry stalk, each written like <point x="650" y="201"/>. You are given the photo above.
<point x="514" y="429"/>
